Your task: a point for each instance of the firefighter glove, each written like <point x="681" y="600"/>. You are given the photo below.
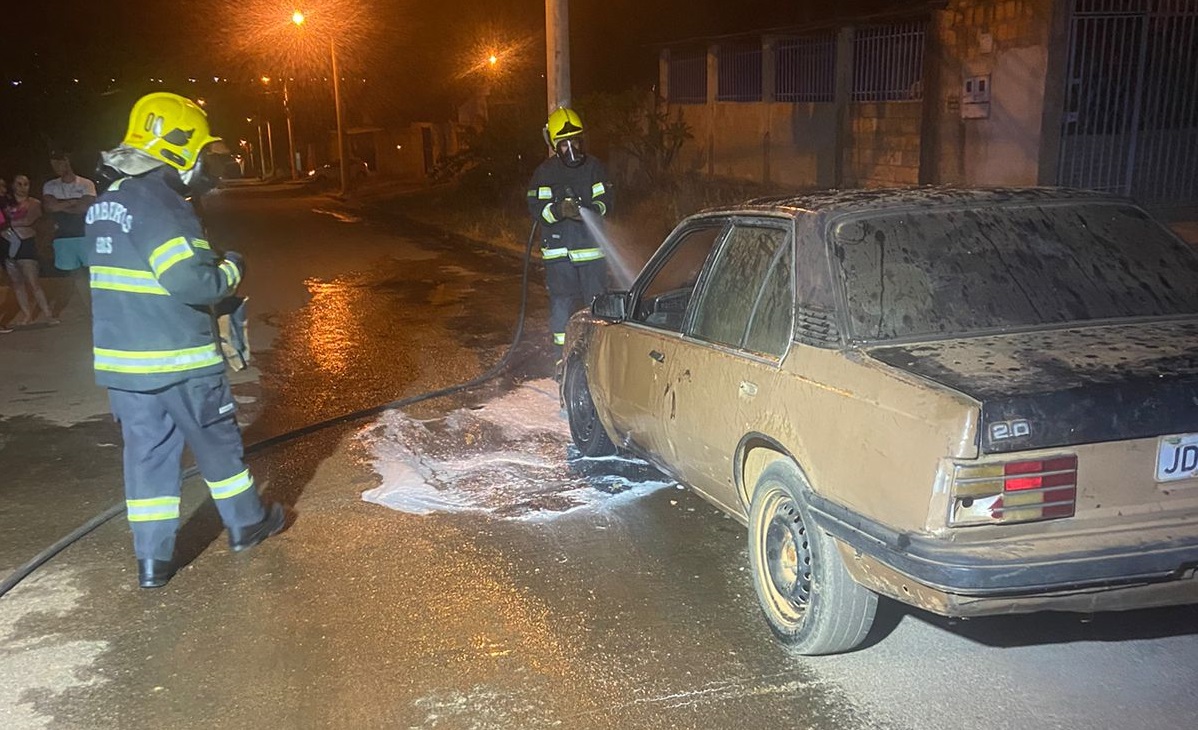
<point x="569" y="208"/>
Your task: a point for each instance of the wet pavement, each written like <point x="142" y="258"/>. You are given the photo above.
<point x="455" y="564"/>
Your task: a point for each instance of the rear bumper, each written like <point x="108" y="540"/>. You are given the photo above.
<point x="970" y="577"/>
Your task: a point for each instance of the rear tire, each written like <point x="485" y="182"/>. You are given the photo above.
<point x="809" y="599"/>
<point x="585" y="427"/>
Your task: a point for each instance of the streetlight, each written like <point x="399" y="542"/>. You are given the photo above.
<point x="298" y="19"/>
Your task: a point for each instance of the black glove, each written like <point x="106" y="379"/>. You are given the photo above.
<point x="568" y="208"/>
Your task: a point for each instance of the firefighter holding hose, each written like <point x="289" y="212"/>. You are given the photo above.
<point x="564" y="189"/>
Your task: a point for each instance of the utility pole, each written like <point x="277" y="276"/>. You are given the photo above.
<point x="261" y="151"/>
<point x="270" y="142"/>
<point x="557" y="52"/>
<point x="340" y="124"/>
<point x="290" y="133"/>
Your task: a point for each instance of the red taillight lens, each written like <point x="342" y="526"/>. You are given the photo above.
<point x="1017" y="491"/>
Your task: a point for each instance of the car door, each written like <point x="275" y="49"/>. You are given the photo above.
<point x="632" y="357"/>
<point x="737" y="332"/>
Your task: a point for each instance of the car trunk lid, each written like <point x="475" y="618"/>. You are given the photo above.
<point x="1067" y="387"/>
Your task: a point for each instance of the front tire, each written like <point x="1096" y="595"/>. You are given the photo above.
<point x="809" y="599"/>
<point x="585" y="428"/>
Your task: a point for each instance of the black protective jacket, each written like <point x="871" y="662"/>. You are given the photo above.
<point x="153" y="281"/>
<point x="564" y="239"/>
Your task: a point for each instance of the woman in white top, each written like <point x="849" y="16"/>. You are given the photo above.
<point x="22" y="263"/>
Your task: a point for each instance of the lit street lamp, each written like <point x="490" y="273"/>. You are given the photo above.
<point x="298" y="19"/>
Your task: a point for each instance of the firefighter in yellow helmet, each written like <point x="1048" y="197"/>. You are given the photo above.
<point x="154" y="280"/>
<point x="569" y="195"/>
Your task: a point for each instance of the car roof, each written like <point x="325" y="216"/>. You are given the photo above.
<point x="876" y="199"/>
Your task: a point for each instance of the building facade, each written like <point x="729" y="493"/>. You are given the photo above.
<point x="1099" y="94"/>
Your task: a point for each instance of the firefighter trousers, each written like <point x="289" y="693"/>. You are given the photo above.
<point x="200" y="413"/>
<point x="572" y="286"/>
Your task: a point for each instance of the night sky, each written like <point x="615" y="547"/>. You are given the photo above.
<point x="411" y="58"/>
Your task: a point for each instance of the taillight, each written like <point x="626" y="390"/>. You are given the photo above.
<point x="1017" y="491"/>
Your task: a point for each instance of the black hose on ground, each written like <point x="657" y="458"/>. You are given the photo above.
<point x="27" y="569"/>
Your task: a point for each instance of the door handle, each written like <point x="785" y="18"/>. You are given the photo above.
<point x="657" y="356"/>
<point x="748" y="389"/>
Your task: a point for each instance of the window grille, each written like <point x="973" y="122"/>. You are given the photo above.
<point x="688" y="76"/>
<point x="888" y="62"/>
<point x="739" y="73"/>
<point x="805" y="69"/>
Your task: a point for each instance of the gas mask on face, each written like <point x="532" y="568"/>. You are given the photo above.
<point x="571" y="151"/>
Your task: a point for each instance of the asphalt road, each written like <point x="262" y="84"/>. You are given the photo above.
<point x="491" y="580"/>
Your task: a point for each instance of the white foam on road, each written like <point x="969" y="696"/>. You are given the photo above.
<point x="510" y="458"/>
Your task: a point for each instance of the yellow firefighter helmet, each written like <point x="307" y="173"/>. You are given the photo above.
<point x="170" y="128"/>
<point x="564" y="123"/>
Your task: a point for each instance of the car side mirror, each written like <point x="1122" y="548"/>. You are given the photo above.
<point x="611" y="306"/>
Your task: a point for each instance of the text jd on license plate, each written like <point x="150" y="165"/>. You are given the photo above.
<point x="1177" y="457"/>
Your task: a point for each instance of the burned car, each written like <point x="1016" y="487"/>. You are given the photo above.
<point x="970" y="401"/>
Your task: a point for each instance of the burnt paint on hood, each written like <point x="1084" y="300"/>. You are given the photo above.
<point x="1070" y="386"/>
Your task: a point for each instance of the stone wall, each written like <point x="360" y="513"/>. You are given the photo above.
<point x="883" y="147"/>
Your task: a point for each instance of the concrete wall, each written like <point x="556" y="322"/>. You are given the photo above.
<point x="1007" y="40"/>
<point x="788" y="144"/>
<point x="854" y="144"/>
<point x="883" y="144"/>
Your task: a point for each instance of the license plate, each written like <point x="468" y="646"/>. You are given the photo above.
<point x="1177" y="458"/>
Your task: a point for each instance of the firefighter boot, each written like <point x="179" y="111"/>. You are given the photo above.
<point x="244" y="538"/>
<point x="154" y="573"/>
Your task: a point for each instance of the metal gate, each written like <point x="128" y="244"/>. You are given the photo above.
<point x="1131" y="116"/>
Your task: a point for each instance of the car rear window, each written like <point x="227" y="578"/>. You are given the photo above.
<point x="941" y="272"/>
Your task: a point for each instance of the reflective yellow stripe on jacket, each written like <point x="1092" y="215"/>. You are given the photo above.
<point x="550" y="254"/>
<point x="156" y="361"/>
<point x="596" y="190"/>
<point x="114" y="278"/>
<point x="232" y="274"/>
<point x="579" y="255"/>
<point x="169" y="254"/>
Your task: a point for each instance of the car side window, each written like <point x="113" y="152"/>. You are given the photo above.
<point x="665" y="296"/>
<point x="748" y="297"/>
<point x="771" y="326"/>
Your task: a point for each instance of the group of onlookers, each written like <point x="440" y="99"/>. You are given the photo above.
<point x="28" y="224"/>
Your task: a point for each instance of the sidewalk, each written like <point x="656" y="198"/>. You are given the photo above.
<point x="47" y="371"/>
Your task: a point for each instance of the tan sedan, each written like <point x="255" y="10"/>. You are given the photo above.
<point x="973" y="402"/>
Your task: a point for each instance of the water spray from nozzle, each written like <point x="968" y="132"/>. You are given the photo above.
<point x="618" y="260"/>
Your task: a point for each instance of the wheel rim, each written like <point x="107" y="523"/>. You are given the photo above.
<point x="786" y="552"/>
<point x="581" y="407"/>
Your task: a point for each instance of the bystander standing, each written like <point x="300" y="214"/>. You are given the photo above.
<point x="65" y="200"/>
<point x="22" y="263"/>
<point x="4" y="234"/>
